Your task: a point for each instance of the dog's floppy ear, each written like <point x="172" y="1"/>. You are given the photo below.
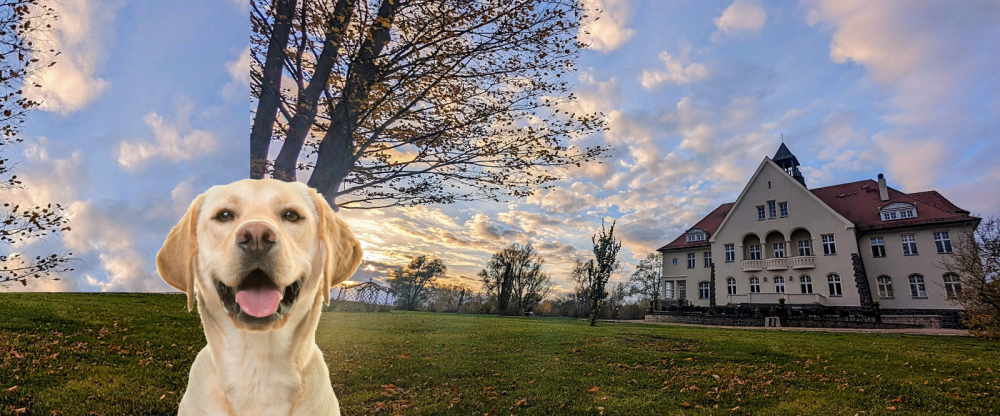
<point x="175" y="260"/>
<point x="343" y="250"/>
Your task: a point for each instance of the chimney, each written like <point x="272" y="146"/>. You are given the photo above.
<point x="883" y="191"/>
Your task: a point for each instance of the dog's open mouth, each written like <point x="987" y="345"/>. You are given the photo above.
<point x="257" y="299"/>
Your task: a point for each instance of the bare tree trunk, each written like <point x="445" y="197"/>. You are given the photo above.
<point x="308" y="98"/>
<point x="270" y="94"/>
<point x="336" y="155"/>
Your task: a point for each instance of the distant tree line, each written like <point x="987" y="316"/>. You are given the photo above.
<point x="513" y="282"/>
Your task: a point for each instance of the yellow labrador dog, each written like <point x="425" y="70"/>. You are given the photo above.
<point x="261" y="256"/>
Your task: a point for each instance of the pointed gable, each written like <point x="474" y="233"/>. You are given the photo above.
<point x="785" y="178"/>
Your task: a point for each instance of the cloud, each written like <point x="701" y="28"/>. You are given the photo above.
<point x="740" y="18"/>
<point x="678" y="71"/>
<point x="936" y="64"/>
<point x="80" y="34"/>
<point x="610" y="30"/>
<point x="173" y="141"/>
<point x="110" y="239"/>
<point x="239" y="72"/>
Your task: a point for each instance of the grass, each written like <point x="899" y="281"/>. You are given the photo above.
<point x="118" y="354"/>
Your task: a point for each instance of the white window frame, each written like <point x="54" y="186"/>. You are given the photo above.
<point x="898" y="211"/>
<point x="829" y="244"/>
<point x="909" y="244"/>
<point x="783" y="209"/>
<point x="682" y="291"/>
<point x="754" y="252"/>
<point x="835" y="285"/>
<point x="730" y="253"/>
<point x="731" y="286"/>
<point x="668" y="289"/>
<point x="805" y="248"/>
<point x="942" y="241"/>
<point x="885" y="290"/>
<point x="708" y="259"/>
<point x="918" y="289"/>
<point x="704" y="290"/>
<point x="691" y="260"/>
<point x="879" y="244"/>
<point x="772" y="210"/>
<point x="760" y="213"/>
<point x="779" y="284"/>
<point x="695" y="235"/>
<point x="952" y="285"/>
<point x="779" y="250"/>
<point x="755" y="284"/>
<point x="806" y="284"/>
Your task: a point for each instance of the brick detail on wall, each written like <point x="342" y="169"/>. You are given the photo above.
<point x="861" y="281"/>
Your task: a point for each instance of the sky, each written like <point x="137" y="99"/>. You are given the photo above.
<point x="149" y="105"/>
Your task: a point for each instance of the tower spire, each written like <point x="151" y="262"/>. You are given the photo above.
<point x="784" y="158"/>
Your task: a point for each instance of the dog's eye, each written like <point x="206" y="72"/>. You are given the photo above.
<point x="292" y="216"/>
<point x="224" y="216"/>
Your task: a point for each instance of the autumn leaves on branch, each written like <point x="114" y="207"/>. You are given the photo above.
<point x="406" y="102"/>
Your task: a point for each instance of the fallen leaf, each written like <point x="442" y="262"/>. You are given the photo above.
<point x="891" y="408"/>
<point x="593" y="389"/>
<point x="522" y="402"/>
<point x="685" y="404"/>
<point x="11" y="389"/>
<point x="161" y="397"/>
<point x="898" y="399"/>
<point x="734" y="409"/>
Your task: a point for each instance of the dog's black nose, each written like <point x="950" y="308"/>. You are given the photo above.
<point x="256" y="238"/>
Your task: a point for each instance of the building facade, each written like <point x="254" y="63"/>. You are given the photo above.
<point x="845" y="245"/>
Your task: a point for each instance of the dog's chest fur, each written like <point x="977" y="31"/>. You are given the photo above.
<point x="259" y="374"/>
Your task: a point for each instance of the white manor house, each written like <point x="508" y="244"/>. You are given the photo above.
<point x="843" y="246"/>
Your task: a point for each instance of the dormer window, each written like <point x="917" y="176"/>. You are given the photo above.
<point x="696" y="234"/>
<point x="898" y="211"/>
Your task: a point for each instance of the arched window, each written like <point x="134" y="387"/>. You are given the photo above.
<point x="704" y="292"/>
<point x="806" y="284"/>
<point x="731" y="286"/>
<point x="754" y="285"/>
<point x="952" y="285"/>
<point x="917" y="288"/>
<point x="779" y="284"/>
<point x="884" y="287"/>
<point x="833" y="281"/>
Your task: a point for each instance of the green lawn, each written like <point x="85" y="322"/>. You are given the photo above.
<point x="116" y="354"/>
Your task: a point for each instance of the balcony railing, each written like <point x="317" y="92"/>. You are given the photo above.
<point x="753" y="265"/>
<point x="790" y="298"/>
<point x="804" y="262"/>
<point x="776" y="263"/>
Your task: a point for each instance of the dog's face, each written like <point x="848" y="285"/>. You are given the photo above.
<point x="256" y="248"/>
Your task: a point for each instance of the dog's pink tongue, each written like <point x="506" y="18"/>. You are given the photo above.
<point x="259" y="302"/>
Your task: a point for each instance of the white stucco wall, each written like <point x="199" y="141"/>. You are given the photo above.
<point x="804" y="212"/>
<point x="899" y="267"/>
<point x="691" y="277"/>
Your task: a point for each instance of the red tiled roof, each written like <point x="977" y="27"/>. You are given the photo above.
<point x="859" y="202"/>
<point x="710" y="223"/>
